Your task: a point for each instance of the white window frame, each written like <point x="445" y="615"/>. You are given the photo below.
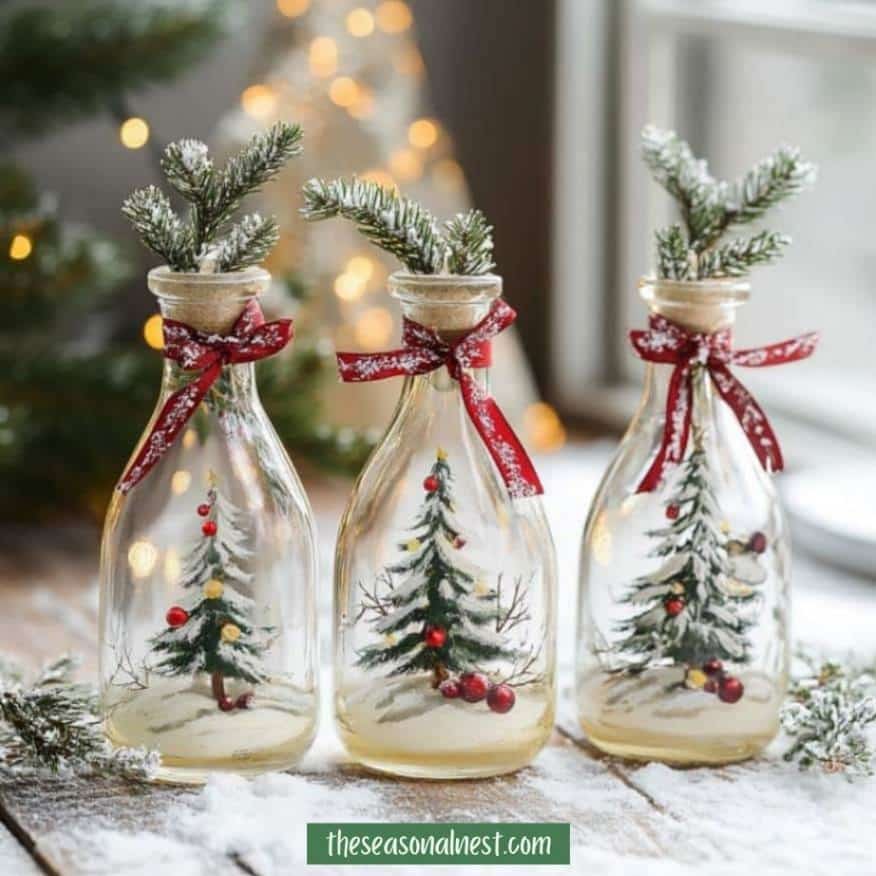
<point x="607" y="52"/>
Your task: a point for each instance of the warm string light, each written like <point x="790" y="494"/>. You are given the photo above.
<point x="190" y="439"/>
<point x="153" y="332"/>
<point x="20" y="247"/>
<point x="360" y="22"/>
<point x="408" y="61"/>
<point x="394" y="16"/>
<point x="142" y="556"/>
<point x="406" y="164"/>
<point x="423" y="133"/>
<point x="544" y="430"/>
<point x="373" y="328"/>
<point x="344" y="91"/>
<point x="448" y="174"/>
<point x="349" y="287"/>
<point x="323" y="56"/>
<point x="259" y="101"/>
<point x="292" y="8"/>
<point x="134" y="133"/>
<point x="363" y="105"/>
<point x="180" y="482"/>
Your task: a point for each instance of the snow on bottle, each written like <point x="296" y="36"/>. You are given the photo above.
<point x="208" y="564"/>
<point x="445" y="568"/>
<point x="683" y="637"/>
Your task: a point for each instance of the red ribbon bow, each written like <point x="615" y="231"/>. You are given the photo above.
<point x="425" y="351"/>
<point x="251" y="339"/>
<point x="668" y="343"/>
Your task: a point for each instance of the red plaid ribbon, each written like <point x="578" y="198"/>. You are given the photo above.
<point x="251" y="339"/>
<point x="425" y="351"/>
<point x="668" y="343"/>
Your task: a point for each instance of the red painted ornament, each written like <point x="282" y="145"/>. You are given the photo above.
<point x="203" y="509"/>
<point x="226" y="704"/>
<point x="176" y="616"/>
<point x="449" y="689"/>
<point x="473" y="686"/>
<point x="430" y="484"/>
<point x="459" y="542"/>
<point x="730" y="689"/>
<point x="672" y="512"/>
<point x="501" y="698"/>
<point x="713" y="666"/>
<point x="711" y="686"/>
<point x="674" y="606"/>
<point x="435" y="637"/>
<point x="757" y="543"/>
<point x="209" y="528"/>
<point x="244" y="701"/>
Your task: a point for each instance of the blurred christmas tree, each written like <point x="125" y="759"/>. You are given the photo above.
<point x="351" y="73"/>
<point x="71" y="404"/>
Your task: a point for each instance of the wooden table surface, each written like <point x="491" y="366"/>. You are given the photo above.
<point x="48" y="590"/>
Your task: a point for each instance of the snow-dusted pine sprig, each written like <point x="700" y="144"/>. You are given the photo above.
<point x="396" y="224"/>
<point x="828" y="716"/>
<point x="710" y="207"/>
<point x="214" y="195"/>
<point x="469" y="244"/>
<point x="51" y="725"/>
<point x="673" y="262"/>
<point x="403" y="227"/>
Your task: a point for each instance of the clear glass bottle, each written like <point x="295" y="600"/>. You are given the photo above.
<point x="683" y="609"/>
<point x="208" y="648"/>
<point x="444" y="585"/>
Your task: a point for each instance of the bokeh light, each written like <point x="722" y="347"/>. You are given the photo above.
<point x="423" y="133"/>
<point x="142" y="556"/>
<point x="258" y="101"/>
<point x="349" y="287"/>
<point x="20" y="247"/>
<point x="373" y="328"/>
<point x="134" y="133"/>
<point x="406" y="164"/>
<point x="360" y="22"/>
<point x="153" y="332"/>
<point x="293" y="8"/>
<point x="323" y="56"/>
<point x="394" y="16"/>
<point x="544" y="429"/>
<point x="180" y="481"/>
<point x="344" y="91"/>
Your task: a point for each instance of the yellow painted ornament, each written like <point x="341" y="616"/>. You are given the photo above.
<point x="677" y="588"/>
<point x="696" y="678"/>
<point x="481" y="588"/>
<point x="389" y="640"/>
<point x="413" y="545"/>
<point x="725" y="527"/>
<point x="441" y="454"/>
<point x="230" y="633"/>
<point x="214" y="589"/>
<point x="738" y="588"/>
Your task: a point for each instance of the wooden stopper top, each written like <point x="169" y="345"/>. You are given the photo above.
<point x="698" y="305"/>
<point x="448" y="303"/>
<point x="207" y="302"/>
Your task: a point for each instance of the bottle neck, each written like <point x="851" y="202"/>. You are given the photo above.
<point x="235" y="388"/>
<point x="656" y="390"/>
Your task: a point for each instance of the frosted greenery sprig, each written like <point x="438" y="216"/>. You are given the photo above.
<point x="51" y="724"/>
<point x="214" y="195"/>
<point x="828" y="714"/>
<point x="403" y="227"/>
<point x="710" y="207"/>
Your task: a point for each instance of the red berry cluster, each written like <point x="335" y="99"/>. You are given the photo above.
<point x="475" y="686"/>
<point x="430" y="484"/>
<point x="674" y="606"/>
<point x="728" y="687"/>
<point x="244" y="701"/>
<point x="434" y="636"/>
<point x="208" y="527"/>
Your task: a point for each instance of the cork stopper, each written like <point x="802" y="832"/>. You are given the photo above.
<point x="208" y="302"/>
<point x="447" y="303"/>
<point x="698" y="305"/>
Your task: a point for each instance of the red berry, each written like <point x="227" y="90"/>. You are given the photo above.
<point x="244" y="701"/>
<point x="204" y="509"/>
<point x="730" y="689"/>
<point x="710" y="686"/>
<point x="473" y="686"/>
<point x="674" y="606"/>
<point x="209" y="527"/>
<point x="458" y="542"/>
<point x="226" y="704"/>
<point x="757" y="543"/>
<point x="449" y="689"/>
<point x="501" y="698"/>
<point x="430" y="484"/>
<point x="434" y="637"/>
<point x="672" y="511"/>
<point x="176" y="616"/>
<point x="713" y="666"/>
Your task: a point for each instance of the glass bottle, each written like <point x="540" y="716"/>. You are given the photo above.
<point x="208" y="648"/>
<point x="444" y="585"/>
<point x="683" y="609"/>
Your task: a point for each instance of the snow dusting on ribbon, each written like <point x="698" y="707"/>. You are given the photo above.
<point x="251" y="339"/>
<point x="425" y="351"/>
<point x="668" y="343"/>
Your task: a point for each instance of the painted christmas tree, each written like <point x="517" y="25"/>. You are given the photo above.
<point x="212" y="630"/>
<point x="439" y="615"/>
<point x="692" y="610"/>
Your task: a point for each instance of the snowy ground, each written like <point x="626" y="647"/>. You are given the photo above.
<point x="763" y="816"/>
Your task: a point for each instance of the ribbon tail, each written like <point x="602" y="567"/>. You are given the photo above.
<point x="751" y="417"/>
<point x="502" y="443"/>
<point x="174" y="415"/>
<point x="676" y="428"/>
<point x="362" y="367"/>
